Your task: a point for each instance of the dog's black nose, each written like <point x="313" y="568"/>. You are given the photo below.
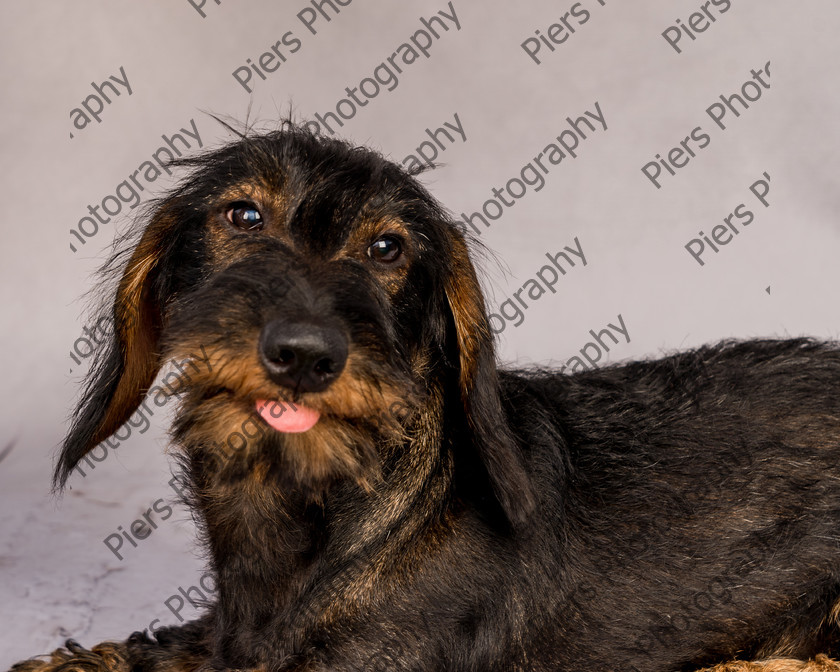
<point x="303" y="356"/>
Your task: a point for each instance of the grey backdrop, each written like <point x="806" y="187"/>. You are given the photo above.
<point x="777" y="276"/>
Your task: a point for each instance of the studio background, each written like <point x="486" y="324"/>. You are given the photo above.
<point x="777" y="276"/>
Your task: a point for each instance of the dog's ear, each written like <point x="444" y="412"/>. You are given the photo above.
<point x="128" y="362"/>
<point x="479" y="384"/>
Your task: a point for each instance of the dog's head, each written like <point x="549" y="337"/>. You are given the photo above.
<point x="314" y="298"/>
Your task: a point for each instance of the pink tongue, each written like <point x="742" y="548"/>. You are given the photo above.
<point x="286" y="417"/>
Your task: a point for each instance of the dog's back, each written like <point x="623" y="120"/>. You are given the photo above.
<point x="694" y="505"/>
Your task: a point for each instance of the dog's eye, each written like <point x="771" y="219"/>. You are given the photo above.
<point x="245" y="216"/>
<point x="385" y="250"/>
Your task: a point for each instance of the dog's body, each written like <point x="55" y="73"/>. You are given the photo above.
<point x="409" y="507"/>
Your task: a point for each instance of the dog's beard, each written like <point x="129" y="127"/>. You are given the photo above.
<point x="227" y="440"/>
<point x="235" y="424"/>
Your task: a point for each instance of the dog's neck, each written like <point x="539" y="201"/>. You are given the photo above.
<point x="290" y="551"/>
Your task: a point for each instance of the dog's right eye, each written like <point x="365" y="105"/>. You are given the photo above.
<point x="245" y="216"/>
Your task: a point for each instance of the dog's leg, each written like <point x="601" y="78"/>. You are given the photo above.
<point x="174" y="649"/>
<point x="820" y="663"/>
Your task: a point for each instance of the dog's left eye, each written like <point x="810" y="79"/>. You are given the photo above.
<point x="244" y="216"/>
<point x="386" y="250"/>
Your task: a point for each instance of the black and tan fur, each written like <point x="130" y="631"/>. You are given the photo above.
<point x="445" y="515"/>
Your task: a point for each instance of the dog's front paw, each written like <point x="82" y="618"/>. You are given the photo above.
<point x="105" y="657"/>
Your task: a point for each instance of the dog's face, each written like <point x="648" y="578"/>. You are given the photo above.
<point x="325" y="298"/>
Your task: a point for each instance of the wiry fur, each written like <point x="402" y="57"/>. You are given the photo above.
<point x="662" y="515"/>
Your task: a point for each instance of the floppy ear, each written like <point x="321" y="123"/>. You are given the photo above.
<point x="479" y="385"/>
<point x="128" y="363"/>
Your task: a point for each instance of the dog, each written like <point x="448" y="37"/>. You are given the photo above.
<point x="374" y="493"/>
